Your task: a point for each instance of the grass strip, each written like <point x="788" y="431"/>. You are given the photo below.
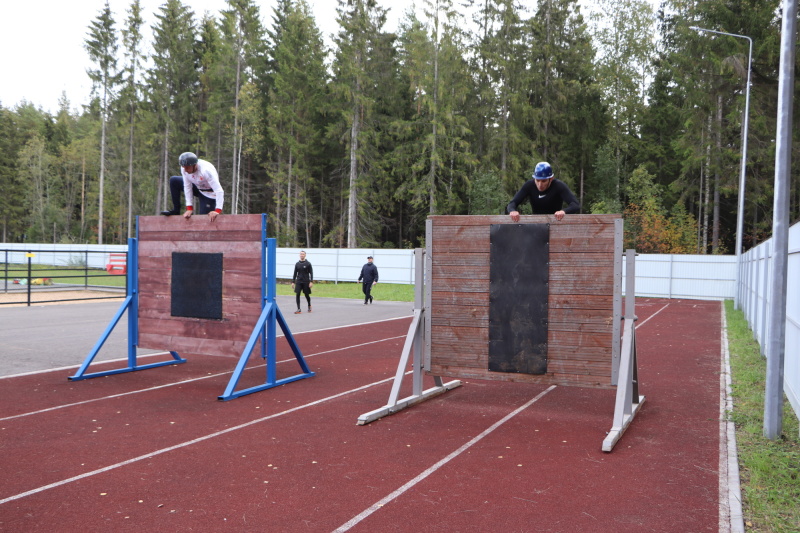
<point x="389" y="292"/>
<point x="77" y="275"/>
<point x="769" y="470"/>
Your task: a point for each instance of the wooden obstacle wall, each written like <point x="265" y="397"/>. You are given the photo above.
<point x="582" y="287"/>
<point x="239" y="239"/>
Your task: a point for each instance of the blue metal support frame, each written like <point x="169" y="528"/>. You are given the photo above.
<point x="131" y="305"/>
<point x="265" y="329"/>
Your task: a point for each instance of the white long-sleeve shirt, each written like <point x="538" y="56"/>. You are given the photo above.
<point x="206" y="179"/>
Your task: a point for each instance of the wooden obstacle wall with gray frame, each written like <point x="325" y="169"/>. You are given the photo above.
<point x="579" y="268"/>
<point x="535" y="301"/>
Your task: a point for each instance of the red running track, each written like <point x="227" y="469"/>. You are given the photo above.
<point x="156" y="451"/>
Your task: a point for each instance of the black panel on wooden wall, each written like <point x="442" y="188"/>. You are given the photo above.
<point x="518" y="293"/>
<point x="196" y="285"/>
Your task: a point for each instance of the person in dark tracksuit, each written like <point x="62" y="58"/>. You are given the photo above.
<point x="547" y="195"/>
<point x="303" y="280"/>
<point x="368" y="278"/>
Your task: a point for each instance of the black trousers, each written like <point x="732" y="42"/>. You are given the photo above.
<point x="203" y="205"/>
<point x="367" y="289"/>
<point x="305" y="289"/>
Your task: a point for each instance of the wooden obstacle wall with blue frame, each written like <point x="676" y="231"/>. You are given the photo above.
<point x="202" y="287"/>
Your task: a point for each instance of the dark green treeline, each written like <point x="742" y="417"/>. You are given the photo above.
<point x="355" y="144"/>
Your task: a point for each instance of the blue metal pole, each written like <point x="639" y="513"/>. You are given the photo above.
<point x="272" y="348"/>
<point x="132" y="290"/>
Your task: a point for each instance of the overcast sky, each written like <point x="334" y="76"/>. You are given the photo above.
<point x="42" y="50"/>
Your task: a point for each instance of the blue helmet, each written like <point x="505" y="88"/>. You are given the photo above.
<point x="188" y="159"/>
<point x="543" y="171"/>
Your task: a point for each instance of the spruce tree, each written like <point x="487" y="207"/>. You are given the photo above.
<point x="173" y="81"/>
<point x="132" y="42"/>
<point x="101" y="44"/>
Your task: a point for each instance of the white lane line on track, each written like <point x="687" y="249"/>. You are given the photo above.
<point x="377" y="505"/>
<point x="34" y="372"/>
<point x="187" y="443"/>
<point x="189" y="380"/>
<point x="651" y="316"/>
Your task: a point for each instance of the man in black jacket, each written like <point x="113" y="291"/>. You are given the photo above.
<point x="547" y="195"/>
<point x="303" y="280"/>
<point x="368" y="277"/>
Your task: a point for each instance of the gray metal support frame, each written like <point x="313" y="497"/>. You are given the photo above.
<point x="418" y="335"/>
<point x="428" y="266"/>
<point x="628" y="400"/>
<point x="617" y="302"/>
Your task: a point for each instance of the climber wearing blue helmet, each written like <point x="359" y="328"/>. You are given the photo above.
<point x="546" y="194"/>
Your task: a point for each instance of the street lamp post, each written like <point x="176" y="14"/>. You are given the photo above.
<point x="740" y="214"/>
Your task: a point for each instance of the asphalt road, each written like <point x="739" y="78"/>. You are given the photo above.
<point x="43" y="337"/>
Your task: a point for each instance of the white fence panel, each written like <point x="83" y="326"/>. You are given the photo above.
<point x="792" y="363"/>
<point x="696" y="277"/>
<point x="755" y="303"/>
<point x="343" y="265"/>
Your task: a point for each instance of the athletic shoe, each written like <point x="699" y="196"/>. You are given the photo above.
<point x="309" y="308"/>
<point x="370" y="299"/>
<point x="298" y="312"/>
<point x="170" y="212"/>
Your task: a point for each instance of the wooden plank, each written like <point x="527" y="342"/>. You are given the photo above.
<point x="478" y="335"/>
<point x="198" y="329"/>
<point x="444" y="348"/>
<point x="178" y="224"/>
<point x="201" y="236"/>
<point x="475" y="239"/>
<point x="557" y="259"/>
<point x="461" y="285"/>
<point x="567" y="301"/>
<point x="158" y="306"/>
<point x="560" y="319"/>
<point x="577" y="337"/>
<point x="574" y="273"/>
<point x="485" y="220"/>
<point x="562" y="287"/>
<point x="556" y="315"/>
<point x="573" y="380"/>
<point x="229" y="249"/>
<point x="192" y="346"/>
<point x="600" y="370"/>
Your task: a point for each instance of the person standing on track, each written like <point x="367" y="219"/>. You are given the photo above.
<point x="547" y="195"/>
<point x="303" y="280"/>
<point x="368" y="278"/>
<point x="198" y="178"/>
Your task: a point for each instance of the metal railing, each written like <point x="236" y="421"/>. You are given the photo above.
<point x="39" y="275"/>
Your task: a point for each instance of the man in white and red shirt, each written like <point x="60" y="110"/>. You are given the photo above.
<point x="198" y="178"/>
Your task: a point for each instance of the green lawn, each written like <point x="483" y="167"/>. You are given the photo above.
<point x="381" y="291"/>
<point x="72" y="275"/>
<point x="769" y="470"/>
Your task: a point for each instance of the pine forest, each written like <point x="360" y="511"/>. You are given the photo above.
<point x="353" y="141"/>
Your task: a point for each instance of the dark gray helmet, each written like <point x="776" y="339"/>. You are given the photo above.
<point x="187" y="159"/>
